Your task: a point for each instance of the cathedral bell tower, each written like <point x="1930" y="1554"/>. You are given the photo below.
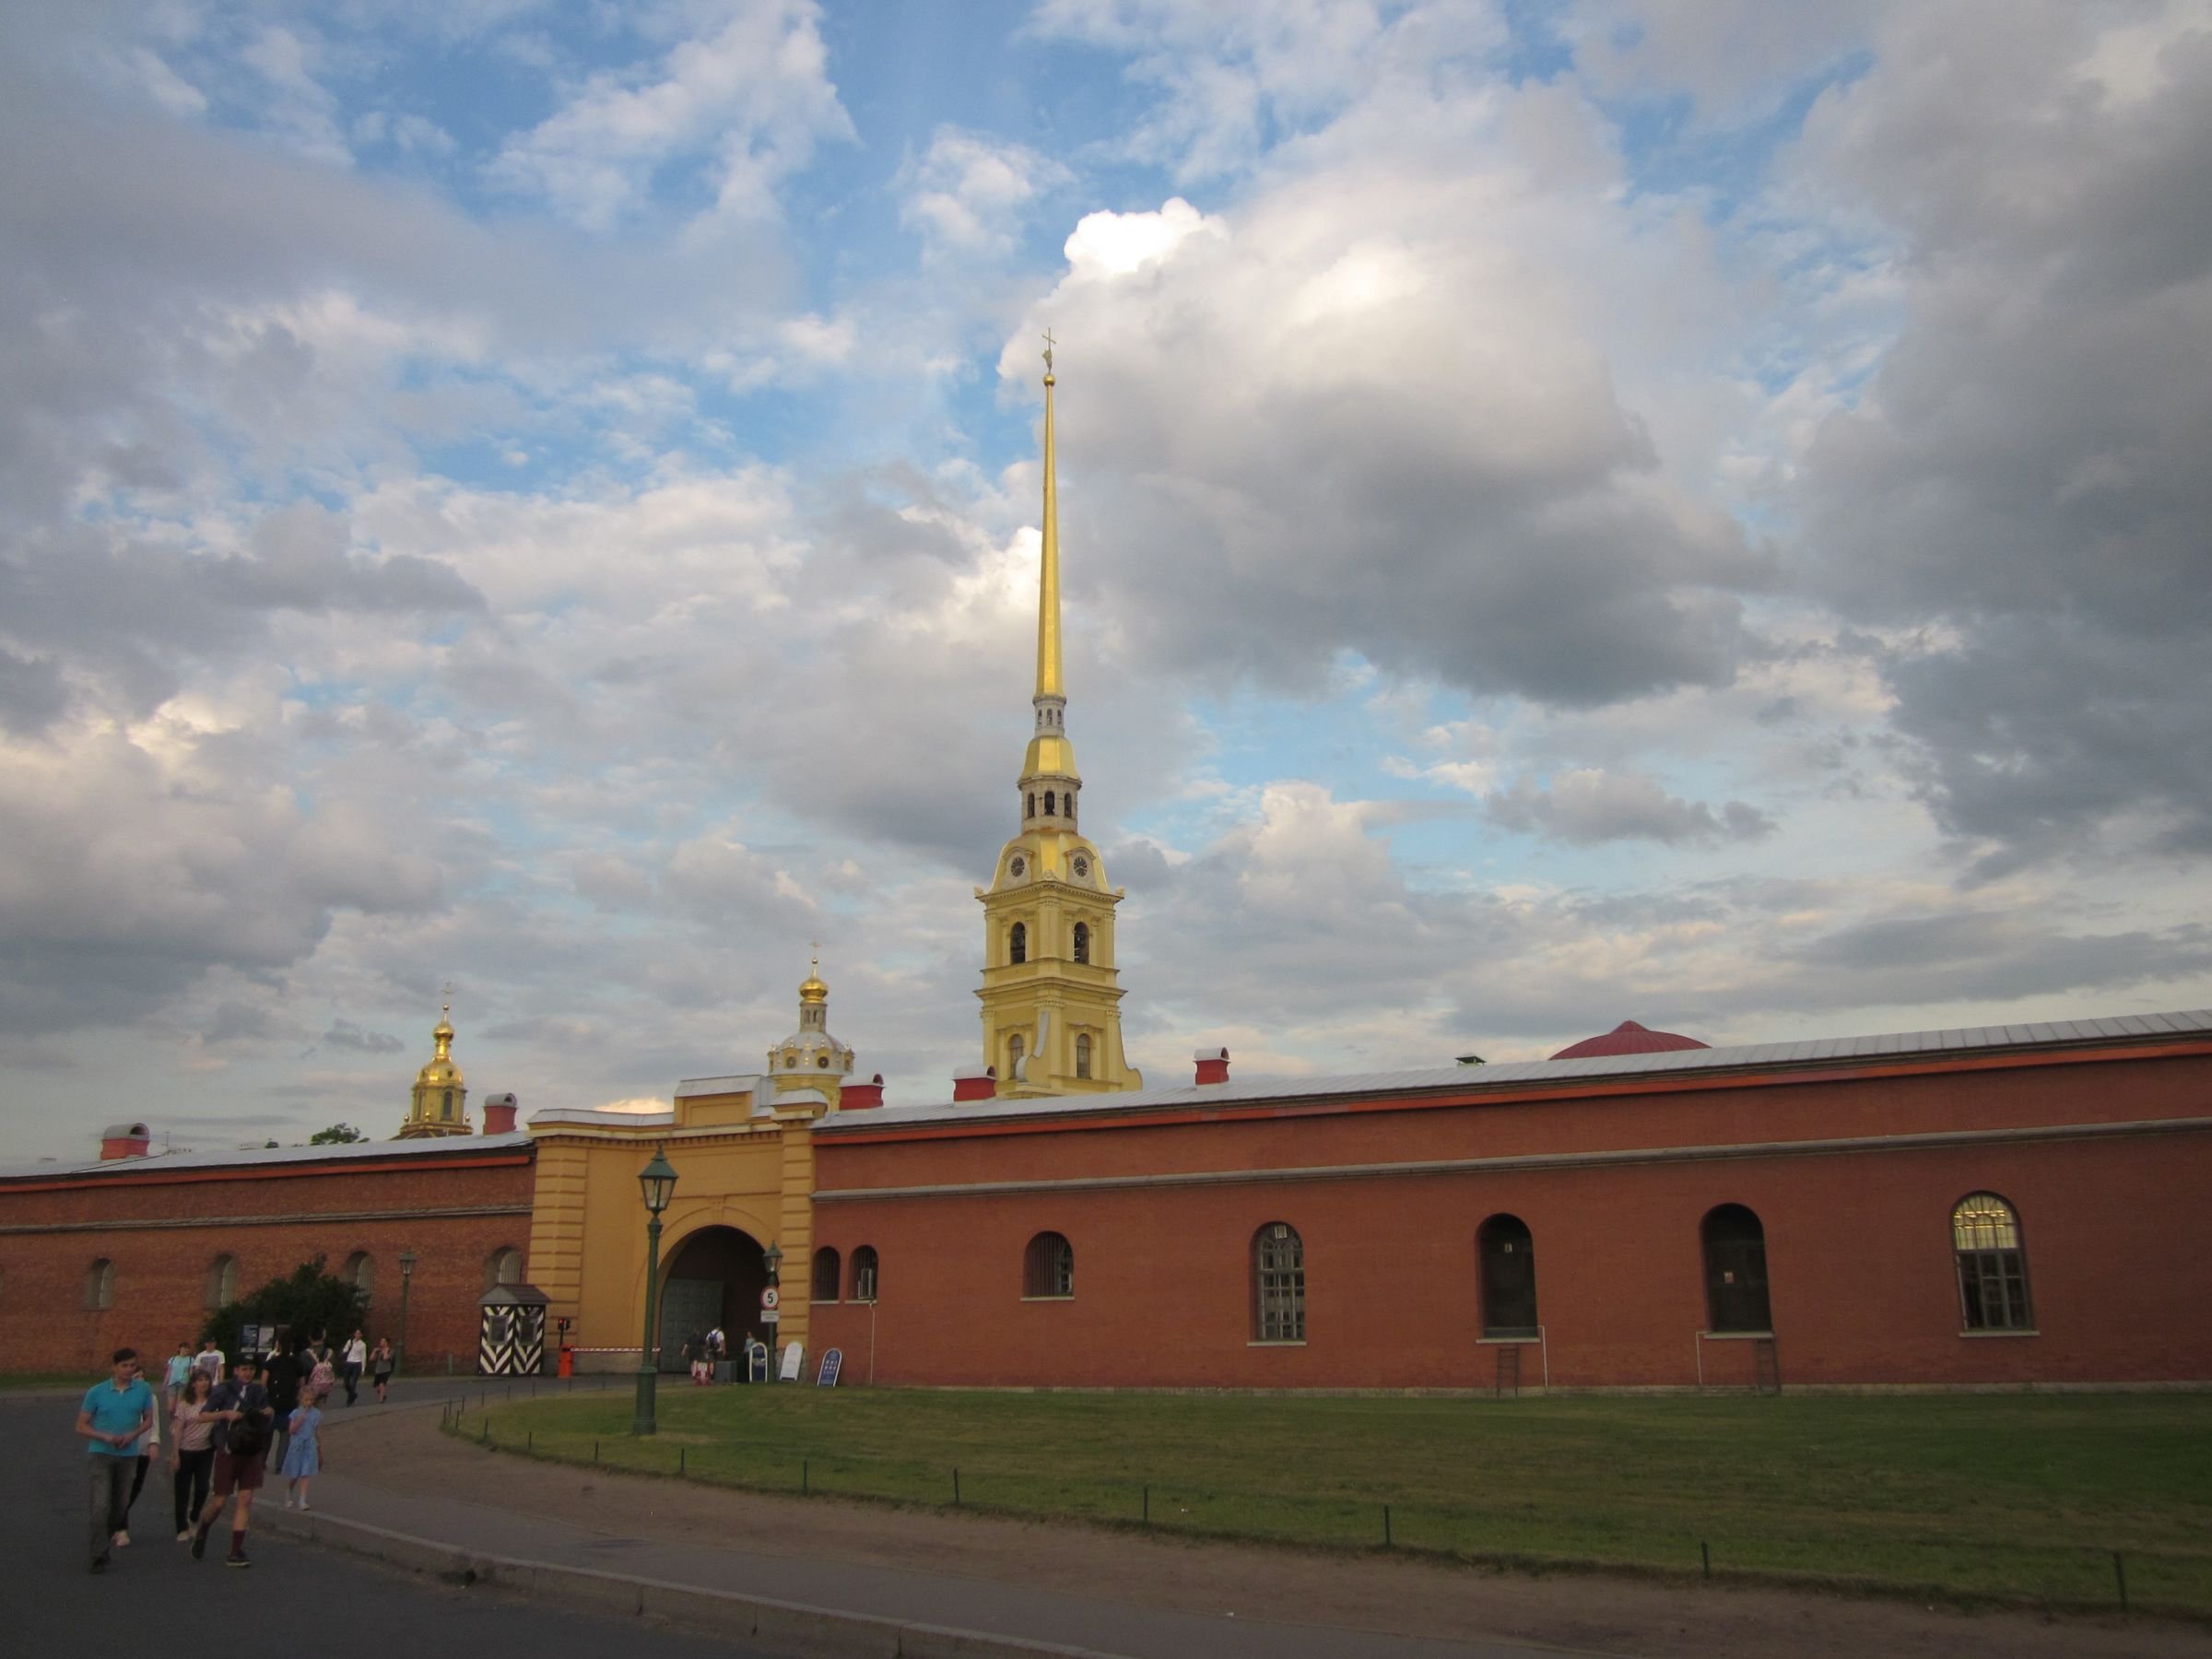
<point x="440" y="1103"/>
<point x="1051" y="996"/>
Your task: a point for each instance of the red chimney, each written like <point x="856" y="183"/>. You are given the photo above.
<point x="976" y="1083"/>
<point x="1213" y="1066"/>
<point x="498" y="1115"/>
<point x="125" y="1140"/>
<point x="860" y="1097"/>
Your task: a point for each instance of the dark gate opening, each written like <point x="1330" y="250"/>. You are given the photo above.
<point x="715" y="1277"/>
<point x="1509" y="1277"/>
<point x="1736" y="1271"/>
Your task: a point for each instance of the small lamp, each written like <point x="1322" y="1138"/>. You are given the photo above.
<point x="657" y="1182"/>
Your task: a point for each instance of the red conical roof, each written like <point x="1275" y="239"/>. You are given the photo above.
<point x="1628" y="1038"/>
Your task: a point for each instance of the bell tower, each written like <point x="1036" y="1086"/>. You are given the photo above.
<point x="1051" y="993"/>
<point x="440" y="1103"/>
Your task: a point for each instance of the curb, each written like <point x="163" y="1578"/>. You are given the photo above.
<point x="788" y="1626"/>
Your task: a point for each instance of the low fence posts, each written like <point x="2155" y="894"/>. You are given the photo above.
<point x="1705" y="1555"/>
<point x="955" y="1488"/>
<point x="1386" y="1543"/>
<point x="2120" y="1572"/>
<point x="1147" y="1512"/>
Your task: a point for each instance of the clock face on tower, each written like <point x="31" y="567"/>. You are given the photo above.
<point x="1017" y="865"/>
<point x="1082" y="867"/>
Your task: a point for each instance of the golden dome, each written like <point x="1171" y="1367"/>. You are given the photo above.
<point x="811" y="989"/>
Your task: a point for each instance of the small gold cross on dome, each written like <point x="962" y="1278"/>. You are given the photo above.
<point x="1049" y="344"/>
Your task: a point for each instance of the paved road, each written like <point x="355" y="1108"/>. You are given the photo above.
<point x="337" y="1605"/>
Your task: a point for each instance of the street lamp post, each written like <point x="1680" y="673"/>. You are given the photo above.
<point x="772" y="1258"/>
<point x="657" y="1182"/>
<point x="406" y="1280"/>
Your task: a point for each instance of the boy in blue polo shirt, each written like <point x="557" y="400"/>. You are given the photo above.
<point x="114" y="1416"/>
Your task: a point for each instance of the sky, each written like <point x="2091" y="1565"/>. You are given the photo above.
<point x="1571" y="511"/>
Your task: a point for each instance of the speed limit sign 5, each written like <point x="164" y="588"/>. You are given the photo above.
<point x="769" y="1297"/>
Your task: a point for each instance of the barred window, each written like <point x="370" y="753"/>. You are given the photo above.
<point x="223" y="1283"/>
<point x="828" y="1273"/>
<point x="1508" y="1257"/>
<point x="864" y="1274"/>
<point x="1993" y="1265"/>
<point x="100" y="1283"/>
<point x="1278" y="1284"/>
<point x="1082" y="1056"/>
<point x="1048" y="1267"/>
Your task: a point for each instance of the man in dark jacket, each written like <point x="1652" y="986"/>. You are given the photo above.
<point x="241" y="1406"/>
<point x="281" y="1382"/>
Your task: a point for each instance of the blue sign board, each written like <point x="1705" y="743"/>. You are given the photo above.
<point x="833" y="1362"/>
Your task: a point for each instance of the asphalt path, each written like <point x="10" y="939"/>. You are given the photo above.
<point x="338" y="1605"/>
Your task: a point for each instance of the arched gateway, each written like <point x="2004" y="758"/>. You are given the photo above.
<point x="712" y="1277"/>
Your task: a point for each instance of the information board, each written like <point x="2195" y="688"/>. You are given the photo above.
<point x="793" y="1359"/>
<point x="833" y="1362"/>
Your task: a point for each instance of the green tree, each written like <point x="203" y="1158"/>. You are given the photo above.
<point x="337" y="1134"/>
<point x="309" y="1301"/>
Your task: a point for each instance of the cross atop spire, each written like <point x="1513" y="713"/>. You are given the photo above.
<point x="1049" y="344"/>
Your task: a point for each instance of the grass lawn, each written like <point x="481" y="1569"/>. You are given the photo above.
<point x="2002" y="1495"/>
<point x="13" y="1381"/>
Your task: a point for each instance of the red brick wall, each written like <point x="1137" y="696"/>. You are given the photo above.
<point x="162" y="1271"/>
<point x="1859" y="1250"/>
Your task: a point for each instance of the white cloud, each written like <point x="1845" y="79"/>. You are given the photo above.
<point x="752" y="97"/>
<point x="968" y="193"/>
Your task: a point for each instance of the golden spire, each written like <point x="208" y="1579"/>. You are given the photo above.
<point x="1048" y="583"/>
<point x="811" y="989"/>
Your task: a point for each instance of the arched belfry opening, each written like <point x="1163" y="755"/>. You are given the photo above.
<point x="713" y="1278"/>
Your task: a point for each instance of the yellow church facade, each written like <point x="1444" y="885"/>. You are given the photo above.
<point x="743" y="1147"/>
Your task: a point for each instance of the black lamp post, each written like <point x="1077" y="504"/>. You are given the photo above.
<point x="772" y="1257"/>
<point x="657" y="1182"/>
<point x="406" y="1280"/>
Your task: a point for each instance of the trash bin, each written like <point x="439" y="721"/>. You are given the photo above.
<point x="567" y="1367"/>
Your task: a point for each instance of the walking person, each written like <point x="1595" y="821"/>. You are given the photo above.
<point x="380" y="1367"/>
<point x="191" y="1451"/>
<point x="180" y="1368"/>
<point x="240" y="1409"/>
<point x="147" y="1449"/>
<point x="210" y="1359"/>
<point x="302" y="1455"/>
<point x="282" y="1379"/>
<point x="351" y="1359"/>
<point x="112" y="1421"/>
<point x="321" y="1366"/>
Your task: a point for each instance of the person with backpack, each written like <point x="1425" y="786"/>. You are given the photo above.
<point x="240" y="1409"/>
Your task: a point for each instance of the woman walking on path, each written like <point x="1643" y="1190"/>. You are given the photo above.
<point x="179" y="1368"/>
<point x="111" y="1421"/>
<point x="380" y="1367"/>
<point x="353" y="1356"/>
<point x="302" y="1456"/>
<point x="191" y="1451"/>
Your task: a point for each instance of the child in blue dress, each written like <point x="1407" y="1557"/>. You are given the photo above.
<point x="302" y="1457"/>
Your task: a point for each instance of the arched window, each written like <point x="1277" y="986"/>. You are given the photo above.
<point x="1993" y="1265"/>
<point x="1082" y="1056"/>
<point x="864" y="1274"/>
<point x="1032" y="803"/>
<point x="503" y="1266"/>
<point x="100" y="1283"/>
<point x="1509" y="1277"/>
<point x="1016" y="1048"/>
<point x="223" y="1283"/>
<point x="828" y="1272"/>
<point x="1736" y="1270"/>
<point x="1048" y="1267"/>
<point x="1067" y="806"/>
<point x="360" y="1273"/>
<point x="449" y="1104"/>
<point x="1018" y="943"/>
<point x="1082" y="941"/>
<point x="1278" y="1284"/>
<point x="1048" y="803"/>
